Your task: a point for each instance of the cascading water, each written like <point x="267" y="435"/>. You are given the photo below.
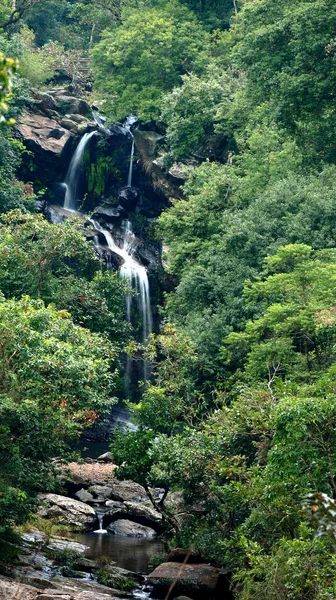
<point x="100" y="517"/>
<point x="74" y="171"/>
<point x="137" y="276"/>
<point x="130" y="171"/>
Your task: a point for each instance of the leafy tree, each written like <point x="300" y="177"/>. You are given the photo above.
<point x="288" y="53"/>
<point x="56" y="378"/>
<point x="145" y="57"/>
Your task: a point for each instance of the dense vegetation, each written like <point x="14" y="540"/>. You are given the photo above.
<point x="240" y="415"/>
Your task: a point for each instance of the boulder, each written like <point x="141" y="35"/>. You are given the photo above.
<point x="43" y="100"/>
<point x="197" y="580"/>
<point x="144" y="512"/>
<point x="67" y="511"/>
<point x="105" y="458"/>
<point x="84" y="496"/>
<point x="128" y="198"/>
<point x="42" y="133"/>
<point x="70" y="104"/>
<point x="100" y="493"/>
<point x="127" y="491"/>
<point x="126" y="528"/>
<point x="109" y="211"/>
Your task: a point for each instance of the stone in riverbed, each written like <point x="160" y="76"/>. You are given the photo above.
<point x="125" y="528"/>
<point x="106" y="457"/>
<point x="198" y="580"/>
<point x="84" y="496"/>
<point x="124" y="491"/>
<point x="67" y="511"/>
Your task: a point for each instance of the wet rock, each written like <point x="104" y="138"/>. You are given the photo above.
<point x="115" y="508"/>
<point x="67" y="511"/>
<point x="198" y="580"/>
<point x="128" y="198"/>
<point x="106" y="457"/>
<point x="126" y="528"/>
<point x="84" y="496"/>
<point x="109" y="212"/>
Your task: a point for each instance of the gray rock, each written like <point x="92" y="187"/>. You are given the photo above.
<point x="201" y="579"/>
<point x="127" y="491"/>
<point x="70" y="104"/>
<point x="43" y="100"/>
<point x="143" y="511"/>
<point x="101" y="492"/>
<point x="84" y="496"/>
<point x="59" y="544"/>
<point x="106" y="457"/>
<point x="126" y="528"/>
<point x="67" y="511"/>
<point x="71" y="125"/>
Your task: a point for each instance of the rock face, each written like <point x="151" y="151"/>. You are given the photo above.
<point x="125" y="528"/>
<point x="67" y="511"/>
<point x="197" y="580"/>
<point x="42" y="133"/>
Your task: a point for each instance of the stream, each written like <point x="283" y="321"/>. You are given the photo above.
<point x="133" y="554"/>
<point x="129" y="553"/>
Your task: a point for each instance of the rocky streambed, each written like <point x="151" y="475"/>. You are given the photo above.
<point x="115" y="534"/>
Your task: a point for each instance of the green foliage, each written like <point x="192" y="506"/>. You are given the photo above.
<point x="56" y="378"/>
<point x="145" y="57"/>
<point x="125" y="584"/>
<point x="296" y="569"/>
<point x="288" y="53"/>
<point x="205" y="97"/>
<point x="66" y="557"/>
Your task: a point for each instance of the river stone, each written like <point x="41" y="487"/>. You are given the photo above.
<point x="195" y="579"/>
<point x="100" y="493"/>
<point x="67" y="511"/>
<point x="124" y="491"/>
<point x="143" y="511"/>
<point x="84" y="496"/>
<point x="125" y="528"/>
<point x="105" y="458"/>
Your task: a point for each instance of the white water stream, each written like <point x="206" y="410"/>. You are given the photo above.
<point x="74" y="171"/>
<point x="137" y="276"/>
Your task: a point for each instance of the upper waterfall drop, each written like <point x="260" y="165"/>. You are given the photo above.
<point x="73" y="174"/>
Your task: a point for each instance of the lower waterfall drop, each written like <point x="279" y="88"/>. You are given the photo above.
<point x="137" y="276"/>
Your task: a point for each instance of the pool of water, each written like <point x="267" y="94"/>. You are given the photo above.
<point x="133" y="554"/>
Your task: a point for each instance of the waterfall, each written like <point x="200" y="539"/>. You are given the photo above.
<point x="127" y="126"/>
<point x="130" y="171"/>
<point x="74" y="171"/>
<point x="137" y="276"/>
<point x="100" y="517"/>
